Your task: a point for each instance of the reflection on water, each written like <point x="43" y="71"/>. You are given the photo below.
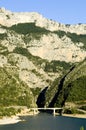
<point x="47" y="122"/>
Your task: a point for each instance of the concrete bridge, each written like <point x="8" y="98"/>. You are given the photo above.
<point x="35" y="110"/>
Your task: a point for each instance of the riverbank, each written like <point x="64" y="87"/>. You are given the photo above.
<point x="75" y="115"/>
<point x="16" y="119"/>
<point x="9" y="120"/>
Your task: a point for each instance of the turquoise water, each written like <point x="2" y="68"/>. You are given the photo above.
<point x="46" y="122"/>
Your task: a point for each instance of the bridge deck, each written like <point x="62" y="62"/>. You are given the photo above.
<point x="36" y="109"/>
<point x="44" y="108"/>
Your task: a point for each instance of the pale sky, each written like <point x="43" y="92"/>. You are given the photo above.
<point x="63" y="11"/>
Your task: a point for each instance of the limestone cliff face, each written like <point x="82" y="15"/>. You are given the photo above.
<point x="8" y="18"/>
<point x="24" y="34"/>
<point x="49" y="46"/>
<point x="41" y="50"/>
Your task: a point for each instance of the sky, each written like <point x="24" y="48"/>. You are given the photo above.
<point x="62" y="11"/>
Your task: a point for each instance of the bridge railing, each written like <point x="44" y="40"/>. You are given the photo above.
<point x="35" y="110"/>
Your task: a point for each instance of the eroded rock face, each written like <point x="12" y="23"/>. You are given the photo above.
<point x="48" y="46"/>
<point x="8" y="18"/>
<point x="38" y="51"/>
<point x="51" y="47"/>
<point x="3" y="61"/>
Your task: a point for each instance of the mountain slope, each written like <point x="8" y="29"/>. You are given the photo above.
<point x="12" y="90"/>
<point x="36" y="52"/>
<point x="70" y="88"/>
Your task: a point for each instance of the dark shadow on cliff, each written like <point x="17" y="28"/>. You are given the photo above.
<point x="41" y="98"/>
<point x="62" y="93"/>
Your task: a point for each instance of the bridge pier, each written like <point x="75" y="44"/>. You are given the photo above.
<point x="34" y="111"/>
<point x="54" y="111"/>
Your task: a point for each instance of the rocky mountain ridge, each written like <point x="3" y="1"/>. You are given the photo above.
<point x="36" y="52"/>
<point x="8" y="18"/>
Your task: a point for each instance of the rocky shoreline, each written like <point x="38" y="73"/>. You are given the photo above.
<point x="9" y="120"/>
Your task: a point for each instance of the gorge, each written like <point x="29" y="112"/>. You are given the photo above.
<point x="36" y="52"/>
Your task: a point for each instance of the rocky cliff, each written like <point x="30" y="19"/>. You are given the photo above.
<point x="36" y="52"/>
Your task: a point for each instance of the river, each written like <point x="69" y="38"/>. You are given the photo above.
<point x="46" y="122"/>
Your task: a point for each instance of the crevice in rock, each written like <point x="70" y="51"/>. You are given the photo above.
<point x="61" y="95"/>
<point x="41" y="100"/>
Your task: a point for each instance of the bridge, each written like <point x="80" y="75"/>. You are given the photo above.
<point x="35" y="110"/>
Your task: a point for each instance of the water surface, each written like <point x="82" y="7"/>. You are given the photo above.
<point x="47" y="122"/>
